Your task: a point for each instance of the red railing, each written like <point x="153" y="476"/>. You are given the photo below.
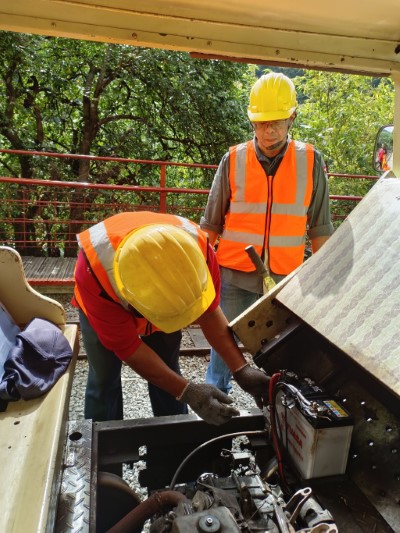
<point x="43" y="216"/>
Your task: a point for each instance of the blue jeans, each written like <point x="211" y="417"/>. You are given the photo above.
<point x="233" y="302"/>
<point x="103" y="397"/>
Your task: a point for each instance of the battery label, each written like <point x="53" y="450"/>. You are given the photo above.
<point x="336" y="409"/>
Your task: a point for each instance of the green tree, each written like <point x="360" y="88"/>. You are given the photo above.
<point x="341" y="115"/>
<point x="83" y="97"/>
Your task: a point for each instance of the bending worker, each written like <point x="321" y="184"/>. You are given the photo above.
<point x="140" y="278"/>
<point x="269" y="192"/>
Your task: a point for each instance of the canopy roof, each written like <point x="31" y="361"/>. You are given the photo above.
<point x="349" y="35"/>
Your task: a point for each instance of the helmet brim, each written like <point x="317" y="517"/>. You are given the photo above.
<point x="271" y="115"/>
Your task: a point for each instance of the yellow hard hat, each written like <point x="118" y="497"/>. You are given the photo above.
<point x="272" y="97"/>
<point x="161" y="271"/>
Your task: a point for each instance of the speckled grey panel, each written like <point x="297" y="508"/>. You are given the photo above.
<point x="350" y="290"/>
<point x="74" y="501"/>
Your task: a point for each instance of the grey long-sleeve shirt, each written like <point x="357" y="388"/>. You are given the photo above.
<point x="318" y="216"/>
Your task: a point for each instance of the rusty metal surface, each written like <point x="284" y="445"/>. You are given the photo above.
<point x="350" y="291"/>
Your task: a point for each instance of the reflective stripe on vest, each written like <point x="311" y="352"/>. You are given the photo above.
<point x="101" y="241"/>
<point x="257" y="214"/>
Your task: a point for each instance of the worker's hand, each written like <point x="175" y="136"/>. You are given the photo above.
<point x="255" y="382"/>
<point x="211" y="404"/>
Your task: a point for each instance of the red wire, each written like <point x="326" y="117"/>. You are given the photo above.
<point x="274" y="379"/>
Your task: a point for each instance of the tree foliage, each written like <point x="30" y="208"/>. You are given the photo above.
<point x="341" y="114"/>
<point x="80" y="97"/>
<point x="112" y="100"/>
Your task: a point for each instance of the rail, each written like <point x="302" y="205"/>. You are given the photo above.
<point x="42" y="217"/>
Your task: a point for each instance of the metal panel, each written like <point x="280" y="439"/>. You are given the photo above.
<point x="260" y="323"/>
<point x="167" y="439"/>
<point x="74" y="501"/>
<point x="350" y="291"/>
<point x="355" y="35"/>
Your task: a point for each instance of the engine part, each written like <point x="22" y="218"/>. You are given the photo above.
<point x="242" y="502"/>
<point x="249" y="490"/>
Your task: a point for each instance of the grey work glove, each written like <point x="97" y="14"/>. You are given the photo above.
<point x="211" y="404"/>
<point x="255" y="382"/>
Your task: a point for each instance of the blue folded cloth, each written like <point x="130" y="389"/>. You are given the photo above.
<point x="8" y="333"/>
<point x="40" y="355"/>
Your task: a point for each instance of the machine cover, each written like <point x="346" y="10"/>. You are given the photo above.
<point x="349" y="291"/>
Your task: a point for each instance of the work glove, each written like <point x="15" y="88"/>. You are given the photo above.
<point x="255" y="382"/>
<point x="211" y="404"/>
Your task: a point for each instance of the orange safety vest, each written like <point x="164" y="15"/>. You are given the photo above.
<point x="267" y="212"/>
<point x="100" y="243"/>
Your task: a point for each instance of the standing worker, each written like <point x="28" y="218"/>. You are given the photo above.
<point x="269" y="193"/>
<point x="140" y="278"/>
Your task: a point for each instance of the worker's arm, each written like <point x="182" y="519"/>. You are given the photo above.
<point x="211" y="404"/>
<point x="319" y="221"/>
<point x="317" y="242"/>
<point x="212" y="236"/>
<point x="152" y="368"/>
<point x="216" y="330"/>
<point x="218" y="202"/>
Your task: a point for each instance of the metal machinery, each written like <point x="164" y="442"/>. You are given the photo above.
<point x="334" y="325"/>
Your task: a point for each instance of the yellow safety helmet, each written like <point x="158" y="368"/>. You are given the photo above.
<point x="161" y="271"/>
<point x="272" y="97"/>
